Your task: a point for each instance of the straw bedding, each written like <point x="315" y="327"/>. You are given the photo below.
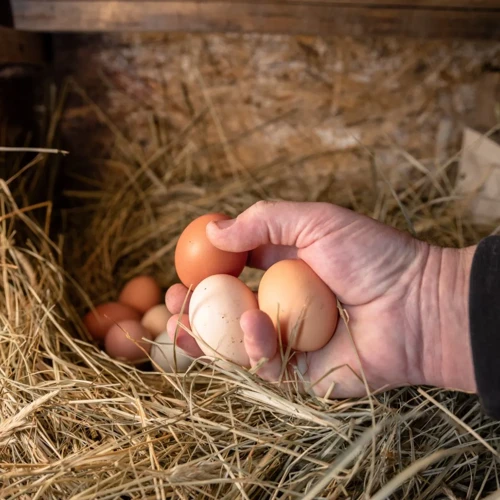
<point x="76" y="424"/>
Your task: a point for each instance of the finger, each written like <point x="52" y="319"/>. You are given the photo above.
<point x="261" y="341"/>
<point x="175" y="297"/>
<point x="278" y="223"/>
<point x="265" y="256"/>
<point x="182" y="337"/>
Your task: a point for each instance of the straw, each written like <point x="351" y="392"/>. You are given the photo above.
<point x="76" y="424"/>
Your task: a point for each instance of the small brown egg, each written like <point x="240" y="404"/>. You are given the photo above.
<point x="307" y="307"/>
<point x="196" y="258"/>
<point x="155" y="320"/>
<point x="141" y="293"/>
<point x="104" y="316"/>
<point x="125" y="339"/>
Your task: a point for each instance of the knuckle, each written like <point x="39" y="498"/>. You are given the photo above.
<point x="256" y="211"/>
<point x="264" y="205"/>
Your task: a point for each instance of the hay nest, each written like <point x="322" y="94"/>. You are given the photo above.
<point x="77" y="424"/>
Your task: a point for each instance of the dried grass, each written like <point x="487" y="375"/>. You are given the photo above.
<point x="76" y="424"/>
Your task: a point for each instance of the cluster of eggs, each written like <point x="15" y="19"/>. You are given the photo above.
<point x="134" y="327"/>
<point x="302" y="307"/>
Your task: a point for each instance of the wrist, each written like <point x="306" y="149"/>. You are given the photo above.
<point x="444" y="305"/>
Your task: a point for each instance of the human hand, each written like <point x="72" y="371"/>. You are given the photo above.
<point x="390" y="284"/>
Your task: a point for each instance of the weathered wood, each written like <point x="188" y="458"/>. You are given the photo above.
<point x="417" y="18"/>
<point x="17" y="47"/>
<point x="449" y="4"/>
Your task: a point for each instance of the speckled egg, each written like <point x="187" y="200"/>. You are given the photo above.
<point x="215" y="310"/>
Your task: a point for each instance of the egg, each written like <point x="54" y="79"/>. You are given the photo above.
<point x="141" y="293"/>
<point x="104" y="316"/>
<point x="155" y="320"/>
<point x="196" y="258"/>
<point x="125" y="339"/>
<point x="215" y="310"/>
<point x="162" y="355"/>
<point x="294" y="289"/>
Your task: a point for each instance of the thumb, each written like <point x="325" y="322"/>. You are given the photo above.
<point x="296" y="224"/>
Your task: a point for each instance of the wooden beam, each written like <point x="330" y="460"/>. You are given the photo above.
<point x="18" y="47"/>
<point x="416" y="18"/>
<point x="435" y="4"/>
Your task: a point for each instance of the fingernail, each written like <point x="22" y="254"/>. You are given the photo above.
<point x="225" y="224"/>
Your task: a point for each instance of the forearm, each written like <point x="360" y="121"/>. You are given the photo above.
<point x="447" y="356"/>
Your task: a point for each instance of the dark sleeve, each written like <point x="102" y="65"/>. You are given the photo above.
<point x="484" y="322"/>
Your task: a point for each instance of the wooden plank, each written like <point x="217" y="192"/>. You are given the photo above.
<point x="305" y="17"/>
<point x="18" y="47"/>
<point x="434" y="4"/>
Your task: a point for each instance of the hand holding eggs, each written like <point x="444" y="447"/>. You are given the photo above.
<point x="302" y="308"/>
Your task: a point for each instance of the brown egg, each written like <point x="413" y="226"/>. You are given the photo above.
<point x="196" y="258"/>
<point x="155" y="320"/>
<point x="99" y="321"/>
<point x="294" y="289"/>
<point x="141" y="293"/>
<point x="123" y="341"/>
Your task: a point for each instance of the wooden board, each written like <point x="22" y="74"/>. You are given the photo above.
<point x="434" y="4"/>
<point x="18" y="47"/>
<point x="417" y="18"/>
